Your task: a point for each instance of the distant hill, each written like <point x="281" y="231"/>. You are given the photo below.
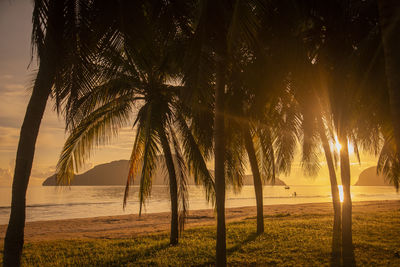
<point x="368" y="177"/>
<point x="112" y="173"/>
<point x="116" y="172"/>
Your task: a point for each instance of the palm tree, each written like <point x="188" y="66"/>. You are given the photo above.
<point x="54" y="22"/>
<point x="139" y="81"/>
<point x="295" y="50"/>
<point x="317" y="129"/>
<point x="267" y="127"/>
<point x="336" y="233"/>
<point x="217" y="28"/>
<point x="390" y="27"/>
<point x="387" y="161"/>
<point x="345" y="78"/>
<point x="353" y="82"/>
<point x="212" y="31"/>
<point x="258" y="186"/>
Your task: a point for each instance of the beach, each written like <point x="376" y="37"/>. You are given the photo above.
<point x="126" y="226"/>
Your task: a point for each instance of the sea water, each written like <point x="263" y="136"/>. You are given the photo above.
<point x="54" y="203"/>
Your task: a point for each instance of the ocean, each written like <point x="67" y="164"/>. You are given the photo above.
<point x="54" y="203"/>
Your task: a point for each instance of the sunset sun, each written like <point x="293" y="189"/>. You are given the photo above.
<point x="338" y="146"/>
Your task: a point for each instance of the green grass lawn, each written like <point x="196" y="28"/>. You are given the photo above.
<point x="289" y="240"/>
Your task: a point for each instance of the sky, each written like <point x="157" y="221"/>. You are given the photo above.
<point x="16" y="75"/>
<point x="17" y="71"/>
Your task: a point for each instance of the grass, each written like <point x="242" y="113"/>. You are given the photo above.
<point x="289" y="240"/>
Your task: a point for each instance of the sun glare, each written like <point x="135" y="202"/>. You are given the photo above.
<point x="351" y="149"/>
<point x="340" y="187"/>
<point x="338" y="146"/>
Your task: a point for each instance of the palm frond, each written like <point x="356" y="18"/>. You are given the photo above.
<point x="266" y="154"/>
<point x="354" y="140"/>
<point x="234" y="156"/>
<point x="100" y="95"/>
<point x="149" y="139"/>
<point x="134" y="162"/>
<point x="310" y="147"/>
<point x="39" y="16"/>
<point x="183" y="195"/>
<point x="195" y="160"/>
<point x="286" y="136"/>
<point x="95" y="130"/>
<point x="244" y="25"/>
<point x="388" y="163"/>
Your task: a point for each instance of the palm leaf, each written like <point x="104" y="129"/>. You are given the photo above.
<point x="148" y="136"/>
<point x="388" y="164"/>
<point x="181" y="170"/>
<point x="95" y="130"/>
<point x="135" y="160"/>
<point x="195" y="160"/>
<point x="266" y="154"/>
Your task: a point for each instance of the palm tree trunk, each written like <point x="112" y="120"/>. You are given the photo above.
<point x="219" y="160"/>
<point x="347" y="235"/>
<point x="14" y="239"/>
<point x="336" y="238"/>
<point x="331" y="168"/>
<point x="173" y="189"/>
<point x="256" y="178"/>
<point x="390" y="27"/>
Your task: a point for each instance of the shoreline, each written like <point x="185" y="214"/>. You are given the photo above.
<point x="126" y="226"/>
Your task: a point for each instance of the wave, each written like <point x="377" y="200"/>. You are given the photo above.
<point x="372" y="195"/>
<point x="281" y="197"/>
<point x="62" y="205"/>
<point x="158" y="201"/>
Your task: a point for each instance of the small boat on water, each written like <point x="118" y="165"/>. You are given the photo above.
<point x="287" y="187"/>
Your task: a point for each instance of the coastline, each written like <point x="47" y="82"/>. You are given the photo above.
<point x="126" y="226"/>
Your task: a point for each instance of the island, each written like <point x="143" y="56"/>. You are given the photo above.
<point x="369" y="177"/>
<point x="116" y="172"/>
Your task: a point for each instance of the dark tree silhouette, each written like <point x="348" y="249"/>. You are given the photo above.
<point x="51" y="20"/>
<point x="389" y="15"/>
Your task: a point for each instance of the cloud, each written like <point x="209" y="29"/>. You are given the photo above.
<point x="12" y="90"/>
<point x="9" y="122"/>
<point x="14" y="86"/>
<point x="6" y="77"/>
<point x="8" y="138"/>
<point x="43" y="172"/>
<point x="5" y="177"/>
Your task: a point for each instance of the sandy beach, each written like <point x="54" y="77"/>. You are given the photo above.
<point x="126" y="226"/>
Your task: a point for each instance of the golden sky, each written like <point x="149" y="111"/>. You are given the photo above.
<point x="16" y="75"/>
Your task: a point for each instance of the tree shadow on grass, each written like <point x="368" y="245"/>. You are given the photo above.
<point x="139" y="255"/>
<point x="143" y="254"/>
<point x="237" y="246"/>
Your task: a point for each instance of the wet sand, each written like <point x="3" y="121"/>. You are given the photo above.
<point x="126" y="226"/>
